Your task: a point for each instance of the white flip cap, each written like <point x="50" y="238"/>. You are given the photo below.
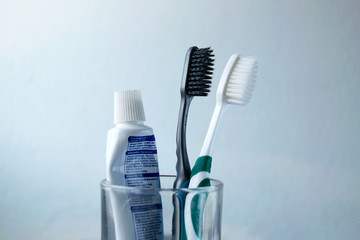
<point x="128" y="106"/>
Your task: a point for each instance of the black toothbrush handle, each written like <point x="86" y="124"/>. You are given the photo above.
<point x="182" y="165"/>
<point x="183" y="170"/>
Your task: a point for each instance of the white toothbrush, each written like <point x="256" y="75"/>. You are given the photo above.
<point x="235" y="87"/>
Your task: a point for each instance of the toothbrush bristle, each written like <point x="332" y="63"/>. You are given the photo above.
<point x="200" y="69"/>
<point x="241" y="81"/>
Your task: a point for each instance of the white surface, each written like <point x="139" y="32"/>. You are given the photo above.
<point x="290" y="167"/>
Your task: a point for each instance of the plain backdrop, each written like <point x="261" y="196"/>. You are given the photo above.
<point x="289" y="159"/>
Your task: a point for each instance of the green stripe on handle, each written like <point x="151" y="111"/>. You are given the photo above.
<point x="202" y="164"/>
<point x="195" y="203"/>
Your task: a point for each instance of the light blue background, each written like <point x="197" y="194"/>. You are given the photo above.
<point x="289" y="159"/>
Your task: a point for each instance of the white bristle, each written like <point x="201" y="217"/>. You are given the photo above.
<point x="241" y="81"/>
<point x="235" y="87"/>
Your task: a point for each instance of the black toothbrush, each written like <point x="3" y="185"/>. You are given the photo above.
<point x="196" y="81"/>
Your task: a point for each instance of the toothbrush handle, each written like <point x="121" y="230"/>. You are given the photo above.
<point x="182" y="166"/>
<point x="183" y="170"/>
<point x="208" y="144"/>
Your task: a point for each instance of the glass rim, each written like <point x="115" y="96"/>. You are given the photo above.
<point x="216" y="185"/>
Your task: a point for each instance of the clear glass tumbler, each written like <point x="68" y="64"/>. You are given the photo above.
<point x="124" y="209"/>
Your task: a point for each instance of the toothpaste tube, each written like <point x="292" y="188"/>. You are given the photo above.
<point x="131" y="160"/>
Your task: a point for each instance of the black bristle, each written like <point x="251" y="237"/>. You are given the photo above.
<point x="200" y="72"/>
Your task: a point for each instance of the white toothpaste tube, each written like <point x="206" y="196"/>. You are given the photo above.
<point x="131" y="160"/>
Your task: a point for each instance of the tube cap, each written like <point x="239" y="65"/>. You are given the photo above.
<point x="128" y="106"/>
